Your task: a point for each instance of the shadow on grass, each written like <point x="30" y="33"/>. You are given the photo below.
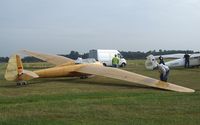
<point x="12" y="85"/>
<point x="76" y="80"/>
<point x="89" y="81"/>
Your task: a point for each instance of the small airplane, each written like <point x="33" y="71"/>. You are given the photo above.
<point x="66" y="67"/>
<point x="178" y="60"/>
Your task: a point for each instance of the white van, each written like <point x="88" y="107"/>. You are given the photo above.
<point x="105" y="56"/>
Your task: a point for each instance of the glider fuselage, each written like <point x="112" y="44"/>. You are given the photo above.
<point x="194" y="61"/>
<point x="61" y="71"/>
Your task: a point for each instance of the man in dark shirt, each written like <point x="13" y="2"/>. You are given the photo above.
<point x="187" y="60"/>
<point x="161" y="60"/>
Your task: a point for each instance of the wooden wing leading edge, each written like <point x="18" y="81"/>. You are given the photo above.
<point x="131" y="77"/>
<point x="53" y="59"/>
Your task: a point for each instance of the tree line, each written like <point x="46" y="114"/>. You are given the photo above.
<point x="126" y="55"/>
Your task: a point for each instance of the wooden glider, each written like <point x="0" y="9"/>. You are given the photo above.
<point x="66" y="67"/>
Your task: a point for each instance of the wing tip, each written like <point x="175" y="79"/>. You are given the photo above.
<point x="189" y="90"/>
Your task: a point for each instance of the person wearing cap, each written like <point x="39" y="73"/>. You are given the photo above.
<point x="164" y="72"/>
<point x="115" y="61"/>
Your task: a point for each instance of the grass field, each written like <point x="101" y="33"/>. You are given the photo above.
<point x="100" y="100"/>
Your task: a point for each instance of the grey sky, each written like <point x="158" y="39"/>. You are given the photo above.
<point x="59" y="26"/>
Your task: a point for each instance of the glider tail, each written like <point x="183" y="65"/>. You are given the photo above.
<point x="150" y="62"/>
<point x="16" y="72"/>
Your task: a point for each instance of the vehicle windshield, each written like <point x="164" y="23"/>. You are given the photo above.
<point x="120" y="55"/>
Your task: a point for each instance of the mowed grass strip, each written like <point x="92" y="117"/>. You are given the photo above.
<point x="100" y="100"/>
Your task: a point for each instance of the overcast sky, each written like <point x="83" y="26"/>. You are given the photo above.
<point x="59" y="26"/>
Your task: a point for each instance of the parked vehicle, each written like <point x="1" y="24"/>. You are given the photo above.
<point x="106" y="56"/>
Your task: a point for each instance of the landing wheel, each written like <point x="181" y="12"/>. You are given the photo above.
<point x="20" y="83"/>
<point x="123" y="65"/>
<point x="24" y="82"/>
<point x="104" y="64"/>
<point x="83" y="77"/>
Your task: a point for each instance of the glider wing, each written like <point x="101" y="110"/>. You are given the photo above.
<point x="53" y="59"/>
<point x="131" y="77"/>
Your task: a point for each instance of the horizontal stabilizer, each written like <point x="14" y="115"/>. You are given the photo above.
<point x="28" y="75"/>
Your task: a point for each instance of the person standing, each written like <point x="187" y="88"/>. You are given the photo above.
<point x="164" y="72"/>
<point x="115" y="61"/>
<point x="187" y="60"/>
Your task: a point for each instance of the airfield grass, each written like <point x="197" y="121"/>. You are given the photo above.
<point x="100" y="100"/>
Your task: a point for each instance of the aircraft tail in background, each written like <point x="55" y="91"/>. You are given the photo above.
<point x="151" y="62"/>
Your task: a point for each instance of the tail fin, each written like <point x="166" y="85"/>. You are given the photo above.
<point x="15" y="71"/>
<point x="151" y="62"/>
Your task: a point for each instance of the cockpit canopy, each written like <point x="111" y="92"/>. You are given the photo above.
<point x="82" y="61"/>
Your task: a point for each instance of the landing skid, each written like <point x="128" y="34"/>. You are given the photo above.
<point x="83" y="77"/>
<point x="21" y="83"/>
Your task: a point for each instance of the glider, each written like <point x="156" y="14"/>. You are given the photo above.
<point x="66" y="67"/>
<point x="178" y="60"/>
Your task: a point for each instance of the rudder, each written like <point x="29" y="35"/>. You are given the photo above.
<point x="15" y="71"/>
<point x="11" y="73"/>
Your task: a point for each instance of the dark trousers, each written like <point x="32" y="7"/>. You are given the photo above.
<point x="115" y="65"/>
<point x="187" y="63"/>
<point x="162" y="62"/>
<point x="164" y="77"/>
